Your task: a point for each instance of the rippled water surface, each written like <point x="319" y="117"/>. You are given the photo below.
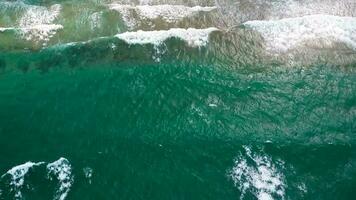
<point x="177" y="99"/>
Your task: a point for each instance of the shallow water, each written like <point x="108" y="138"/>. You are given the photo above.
<point x="229" y="100"/>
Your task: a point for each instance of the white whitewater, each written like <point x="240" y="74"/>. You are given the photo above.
<point x="169" y="13"/>
<point x="42" y="32"/>
<point x="36" y="24"/>
<point x="37" y="15"/>
<point x="62" y="170"/>
<point x="258" y="174"/>
<point x="193" y="37"/>
<point x="18" y="174"/>
<point x="313" y="30"/>
<point x="298" y="8"/>
<point x="59" y="170"/>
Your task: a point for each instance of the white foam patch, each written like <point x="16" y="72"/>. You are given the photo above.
<point x="193" y="37"/>
<point x="41" y="32"/>
<point x="36" y="24"/>
<point x="59" y="170"/>
<point x="126" y="14"/>
<point x="258" y="175"/>
<point x="169" y="13"/>
<point x="37" y="15"/>
<point x="286" y="34"/>
<point x="298" y="8"/>
<point x="18" y="174"/>
<point x="62" y="171"/>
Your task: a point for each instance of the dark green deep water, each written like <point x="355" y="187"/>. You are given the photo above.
<point x="181" y="128"/>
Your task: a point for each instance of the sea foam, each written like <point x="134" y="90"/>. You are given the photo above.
<point x="36" y="23"/>
<point x="169" y="13"/>
<point x="193" y="37"/>
<point x="325" y="30"/>
<point x="62" y="171"/>
<point x="37" y="15"/>
<point x="59" y="170"/>
<point x="258" y="175"/>
<point x="42" y="32"/>
<point x="17" y="175"/>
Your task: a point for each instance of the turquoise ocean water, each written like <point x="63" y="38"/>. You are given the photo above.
<point x="145" y="100"/>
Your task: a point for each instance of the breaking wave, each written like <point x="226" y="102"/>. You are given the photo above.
<point x="193" y="37"/>
<point x="62" y="171"/>
<point x="17" y="176"/>
<point x="319" y="31"/>
<point x="15" y="180"/>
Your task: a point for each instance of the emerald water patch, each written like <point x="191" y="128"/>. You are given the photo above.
<point x="177" y="99"/>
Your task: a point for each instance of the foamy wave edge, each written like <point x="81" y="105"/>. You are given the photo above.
<point x="288" y="33"/>
<point x="37" y="23"/>
<point x="59" y="169"/>
<point x="193" y="37"/>
<point x="42" y="32"/>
